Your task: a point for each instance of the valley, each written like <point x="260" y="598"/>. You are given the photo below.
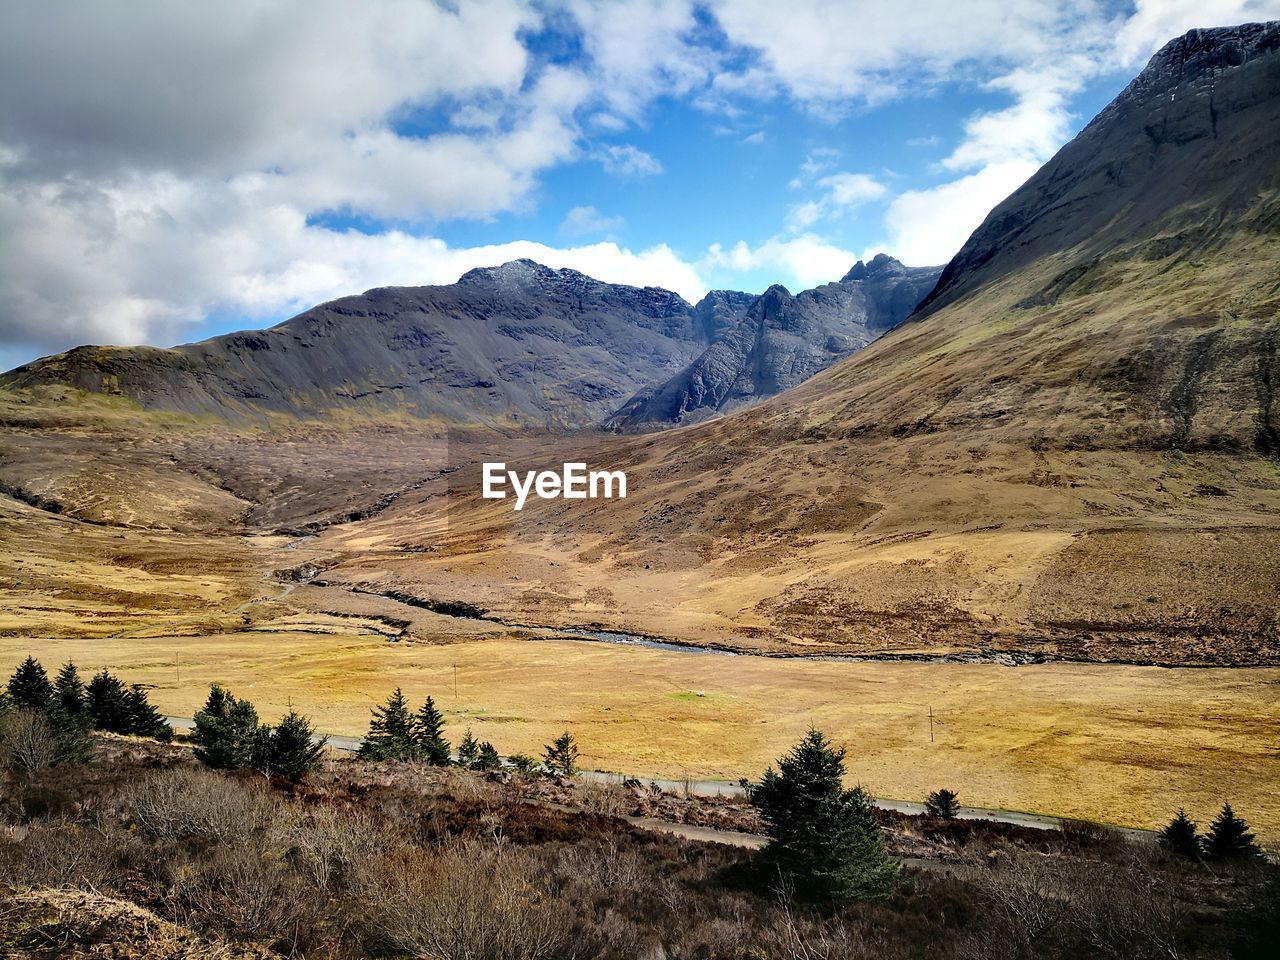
<point x="1040" y="498"/>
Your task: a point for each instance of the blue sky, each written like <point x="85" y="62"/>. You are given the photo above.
<point x="173" y="171"/>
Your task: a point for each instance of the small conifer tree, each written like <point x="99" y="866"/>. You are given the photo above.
<point x="292" y="749"/>
<point x="144" y="718"/>
<point x="468" y="751"/>
<point x="69" y="691"/>
<point x="1179" y="836"/>
<point x="29" y="687"/>
<point x="428" y="734"/>
<point x="560" y="757"/>
<point x="391" y="732"/>
<point x="226" y="731"/>
<point x="108" y="704"/>
<point x="1229" y="839"/>
<point x="943" y="803"/>
<point x="823" y="838"/>
<point x="487" y="758"/>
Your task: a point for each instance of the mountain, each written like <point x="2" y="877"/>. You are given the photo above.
<point x="515" y="345"/>
<point x="782" y="340"/>
<point x="519" y="345"/>
<point x="1070" y="450"/>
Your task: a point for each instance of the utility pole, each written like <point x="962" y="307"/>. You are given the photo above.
<point x="931" y="723"/>
<point x="455" y="682"/>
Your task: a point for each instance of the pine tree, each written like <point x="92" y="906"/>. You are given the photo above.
<point x="144" y="718"/>
<point x="6" y="702"/>
<point x="822" y="838"/>
<point x="468" y="751"/>
<point x="108" y="704"/>
<point x="429" y="735"/>
<point x="69" y="691"/>
<point x="943" y="803"/>
<point x="29" y="687"/>
<point x="69" y="716"/>
<point x="1229" y="838"/>
<point x="70" y="734"/>
<point x="391" y="732"/>
<point x="487" y="758"/>
<point x="291" y="750"/>
<point x="560" y="757"/>
<point x="226" y="731"/>
<point x="1179" y="836"/>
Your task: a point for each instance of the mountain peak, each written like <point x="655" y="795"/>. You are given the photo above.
<point x="1194" y="130"/>
<point x="521" y="272"/>
<point x="1214" y="48"/>
<point x="881" y="263"/>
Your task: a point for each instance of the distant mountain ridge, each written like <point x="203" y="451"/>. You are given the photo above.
<point x="781" y="340"/>
<point x="515" y="345"/>
<point x="509" y="347"/>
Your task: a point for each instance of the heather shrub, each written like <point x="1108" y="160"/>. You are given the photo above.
<point x="188" y="803"/>
<point x="467" y="900"/>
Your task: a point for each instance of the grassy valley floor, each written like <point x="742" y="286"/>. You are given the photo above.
<point x="1119" y="744"/>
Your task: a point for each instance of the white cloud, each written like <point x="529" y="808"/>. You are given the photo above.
<point x="585" y="221"/>
<point x="927" y="227"/>
<point x="627" y="161"/>
<point x="832" y="52"/>
<point x="840" y="194"/>
<point x="851" y="189"/>
<point x="755" y="139"/>
<point x="800" y="262"/>
<point x="180" y="252"/>
<point x="641" y="49"/>
<point x="216" y="89"/>
<point x="1000" y="149"/>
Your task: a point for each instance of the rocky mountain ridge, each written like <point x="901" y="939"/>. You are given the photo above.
<point x="781" y="340"/>
<point x="515" y="346"/>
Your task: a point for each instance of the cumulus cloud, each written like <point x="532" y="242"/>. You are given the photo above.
<point x="642" y="49"/>
<point x="235" y="255"/>
<point x="834" y="53"/>
<point x="803" y="261"/>
<point x="927" y="227"/>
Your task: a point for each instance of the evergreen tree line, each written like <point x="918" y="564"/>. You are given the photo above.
<point x="396" y="732"/>
<point x="229" y="736"/>
<point x="73" y="709"/>
<point x="1227" y="840"/>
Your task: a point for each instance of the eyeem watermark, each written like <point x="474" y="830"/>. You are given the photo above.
<point x="573" y="482"/>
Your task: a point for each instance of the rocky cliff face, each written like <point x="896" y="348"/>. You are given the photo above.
<point x="781" y="340"/>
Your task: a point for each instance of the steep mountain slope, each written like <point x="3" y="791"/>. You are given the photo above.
<point x="1126" y="294"/>
<point x="1069" y="451"/>
<point x="515" y="345"/>
<point x="783" y="340"/>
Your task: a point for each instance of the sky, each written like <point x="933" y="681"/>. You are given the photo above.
<point x="171" y="171"/>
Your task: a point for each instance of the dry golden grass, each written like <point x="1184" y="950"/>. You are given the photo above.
<point x="1125" y="745"/>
